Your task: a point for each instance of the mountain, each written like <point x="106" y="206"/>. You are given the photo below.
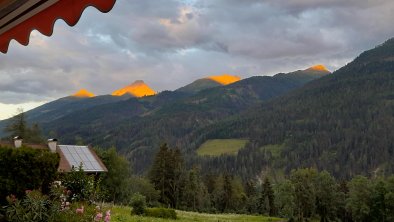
<point x="136" y="89"/>
<point x="61" y="107"/>
<point x="83" y="93"/>
<point x="224" y="79"/>
<point x="318" y="68"/>
<point x="209" y="82"/>
<point x="342" y="122"/>
<point x="137" y="126"/>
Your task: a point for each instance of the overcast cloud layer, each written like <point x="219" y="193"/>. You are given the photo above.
<point x="170" y="43"/>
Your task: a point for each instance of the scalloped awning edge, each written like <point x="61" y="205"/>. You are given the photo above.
<point x="68" y="10"/>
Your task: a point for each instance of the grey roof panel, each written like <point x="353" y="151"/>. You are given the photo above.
<point x="75" y="155"/>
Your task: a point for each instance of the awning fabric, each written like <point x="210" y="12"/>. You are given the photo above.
<point x="42" y="17"/>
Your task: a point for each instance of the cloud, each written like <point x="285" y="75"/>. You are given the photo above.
<point x="169" y="43"/>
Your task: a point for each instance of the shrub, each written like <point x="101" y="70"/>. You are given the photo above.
<point x="161" y="213"/>
<point x="80" y="184"/>
<point x="34" y="208"/>
<point x="71" y="215"/>
<point x="26" y="169"/>
<point x="138" y="202"/>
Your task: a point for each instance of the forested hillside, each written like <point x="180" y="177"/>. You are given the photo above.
<point x="62" y="107"/>
<point x="138" y="126"/>
<point x="343" y="123"/>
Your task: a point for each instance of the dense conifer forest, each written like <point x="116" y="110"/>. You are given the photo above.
<point x="343" y="123"/>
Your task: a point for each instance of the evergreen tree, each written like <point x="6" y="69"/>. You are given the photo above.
<point x="115" y="181"/>
<point x="167" y="175"/>
<point x="195" y="195"/>
<point x="303" y="181"/>
<point x="17" y="126"/>
<point x="343" y="193"/>
<point x="252" y="202"/>
<point x="227" y="191"/>
<point x="267" y="205"/>
<point x="327" y="197"/>
<point x="358" y="202"/>
<point x="285" y="199"/>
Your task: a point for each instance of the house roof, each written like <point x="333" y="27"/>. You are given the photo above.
<point x="19" y="17"/>
<point x="73" y="156"/>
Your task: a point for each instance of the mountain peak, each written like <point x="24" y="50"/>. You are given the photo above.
<point x="136" y="89"/>
<point x="224" y="79"/>
<point x="83" y="93"/>
<point x="319" y="67"/>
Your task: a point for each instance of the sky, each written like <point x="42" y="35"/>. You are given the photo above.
<point x="170" y="43"/>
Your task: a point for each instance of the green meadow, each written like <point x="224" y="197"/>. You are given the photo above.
<point x="217" y="147"/>
<point x="122" y="214"/>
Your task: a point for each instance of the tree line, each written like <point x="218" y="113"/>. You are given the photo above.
<point x="305" y="195"/>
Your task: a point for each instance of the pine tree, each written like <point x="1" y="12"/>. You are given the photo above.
<point x="267" y="204"/>
<point x="17" y="126"/>
<point x="228" y="191"/>
<point x="167" y="175"/>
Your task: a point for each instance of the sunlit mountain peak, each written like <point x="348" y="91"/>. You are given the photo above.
<point x="319" y="67"/>
<point x="224" y="79"/>
<point x="83" y="93"/>
<point x="136" y="89"/>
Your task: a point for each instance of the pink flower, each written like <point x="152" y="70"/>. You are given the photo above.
<point x="108" y="216"/>
<point x="79" y="210"/>
<point x="98" y="217"/>
<point x="27" y="191"/>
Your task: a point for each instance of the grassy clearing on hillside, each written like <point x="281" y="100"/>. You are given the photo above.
<point x="122" y="214"/>
<point x="218" y="147"/>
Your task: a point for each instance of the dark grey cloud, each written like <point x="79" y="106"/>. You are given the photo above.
<point x="169" y="43"/>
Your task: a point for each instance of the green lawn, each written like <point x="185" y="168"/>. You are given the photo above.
<point x="122" y="214"/>
<point x="218" y="147"/>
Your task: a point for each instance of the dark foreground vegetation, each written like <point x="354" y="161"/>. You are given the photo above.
<point x="304" y="195"/>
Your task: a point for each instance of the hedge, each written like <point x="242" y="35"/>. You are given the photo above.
<point x="24" y="169"/>
<point x="161" y="213"/>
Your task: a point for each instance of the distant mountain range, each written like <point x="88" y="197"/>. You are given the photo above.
<point x="137" y="125"/>
<point x="341" y="122"/>
<point x="209" y="82"/>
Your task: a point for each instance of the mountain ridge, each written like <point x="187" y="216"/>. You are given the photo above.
<point x="137" y="89"/>
<point x="342" y="123"/>
<point x="83" y="93"/>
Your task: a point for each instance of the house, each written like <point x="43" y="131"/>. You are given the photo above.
<point x="70" y="155"/>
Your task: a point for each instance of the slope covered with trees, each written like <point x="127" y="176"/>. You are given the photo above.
<point x="343" y="123"/>
<point x="138" y="126"/>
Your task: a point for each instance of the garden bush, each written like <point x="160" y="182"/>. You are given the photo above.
<point x="138" y="203"/>
<point x="161" y="213"/>
<point x="26" y="169"/>
<point x="34" y="208"/>
<point x="81" y="185"/>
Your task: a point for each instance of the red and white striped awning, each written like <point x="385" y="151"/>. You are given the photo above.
<point x="19" y="17"/>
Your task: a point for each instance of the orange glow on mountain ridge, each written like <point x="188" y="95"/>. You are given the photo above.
<point x="137" y="89"/>
<point x="319" y="67"/>
<point x="224" y="79"/>
<point x="83" y="93"/>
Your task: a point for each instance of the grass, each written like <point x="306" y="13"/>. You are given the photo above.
<point x="218" y="147"/>
<point x="122" y="214"/>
